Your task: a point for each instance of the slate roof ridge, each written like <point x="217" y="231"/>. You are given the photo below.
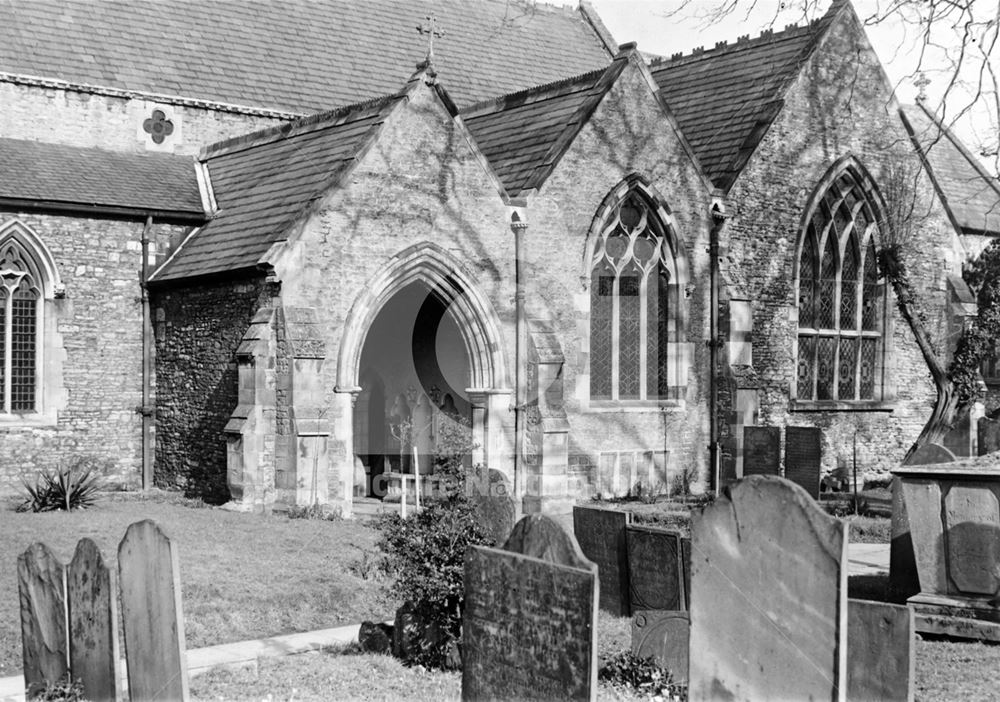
<point x="992" y="181"/>
<point x="321" y="120"/>
<point x="767" y="36"/>
<point x="591" y="17"/>
<point x="524" y="97"/>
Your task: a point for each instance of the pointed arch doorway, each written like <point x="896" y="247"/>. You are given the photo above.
<point x="422" y="339"/>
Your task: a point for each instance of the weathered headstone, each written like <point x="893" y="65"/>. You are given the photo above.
<point x="529" y="628"/>
<point x="42" y="587"/>
<point x="988" y="431"/>
<point x="768" y="596"/>
<point x="663" y="636"/>
<point x="655" y="569"/>
<point x="931" y="454"/>
<point x="93" y="623"/>
<point x="151" y="614"/>
<point x="601" y="535"/>
<point x="880" y="651"/>
<point x="492" y="501"/>
<point x="803" y="454"/>
<point x="761" y="449"/>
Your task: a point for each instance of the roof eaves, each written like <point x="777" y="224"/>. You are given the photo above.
<point x="170" y="216"/>
<point x="540" y="173"/>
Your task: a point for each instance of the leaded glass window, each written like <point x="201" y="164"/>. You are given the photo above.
<point x="839" y="299"/>
<point x="630" y="310"/>
<point x="19" y="308"/>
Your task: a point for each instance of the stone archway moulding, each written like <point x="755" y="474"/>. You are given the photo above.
<point x="439" y="270"/>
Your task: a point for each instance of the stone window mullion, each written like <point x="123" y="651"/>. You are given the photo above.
<point x="8" y="348"/>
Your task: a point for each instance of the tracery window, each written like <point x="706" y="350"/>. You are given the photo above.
<point x="632" y="304"/>
<point x="840" y="298"/>
<point x="20" y="297"/>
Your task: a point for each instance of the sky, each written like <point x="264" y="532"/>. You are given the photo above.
<point x="665" y="27"/>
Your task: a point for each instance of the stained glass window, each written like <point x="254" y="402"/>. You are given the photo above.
<point x="19" y="302"/>
<point x="630" y="304"/>
<point x="840" y="323"/>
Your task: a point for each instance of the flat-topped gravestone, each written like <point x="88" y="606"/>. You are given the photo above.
<point x="529" y="627"/>
<point x="663" y="636"/>
<point x="655" y="569"/>
<point x="41" y="585"/>
<point x="988" y="431"/>
<point x="761" y="449"/>
<point x="768" y="596"/>
<point x="93" y="623"/>
<point x="803" y="455"/>
<point x="151" y="614"/>
<point x="880" y="651"/>
<point x="601" y="535"/>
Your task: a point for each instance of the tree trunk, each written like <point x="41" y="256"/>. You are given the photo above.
<point x="946" y="405"/>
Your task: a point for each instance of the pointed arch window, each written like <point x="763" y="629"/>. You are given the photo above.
<point x="633" y="304"/>
<point x="20" y="296"/>
<point x="840" y="299"/>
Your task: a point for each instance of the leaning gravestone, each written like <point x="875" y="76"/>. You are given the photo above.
<point x="655" y="569"/>
<point x="803" y="455"/>
<point x="93" y="623"/>
<point x="42" y="588"/>
<point x="663" y="636"/>
<point x="768" y="596"/>
<point x="529" y="627"/>
<point x="601" y="535"/>
<point x="880" y="645"/>
<point x="152" y="619"/>
<point x="761" y="448"/>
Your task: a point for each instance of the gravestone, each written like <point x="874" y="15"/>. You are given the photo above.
<point x="663" y="636"/>
<point x="988" y="431"/>
<point x="803" y="454"/>
<point x="768" y="596"/>
<point x="880" y="651"/>
<point x="529" y="627"/>
<point x="93" y="623"/>
<point x="931" y="454"/>
<point x="601" y="535"/>
<point x="761" y="449"/>
<point x="655" y="569"/>
<point x="42" y="588"/>
<point x="152" y="619"/>
<point x="492" y="502"/>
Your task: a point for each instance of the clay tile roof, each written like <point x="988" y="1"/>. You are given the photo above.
<point x="725" y="98"/>
<point x="970" y="194"/>
<point x="267" y="181"/>
<point x="523" y="135"/>
<point x="300" y="56"/>
<point x="70" y="177"/>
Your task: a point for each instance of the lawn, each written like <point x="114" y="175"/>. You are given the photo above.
<point x="243" y="576"/>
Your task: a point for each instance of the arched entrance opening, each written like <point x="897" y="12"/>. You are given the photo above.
<point x="415" y="373"/>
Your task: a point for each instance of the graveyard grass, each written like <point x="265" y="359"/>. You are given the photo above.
<point x="242" y="576"/>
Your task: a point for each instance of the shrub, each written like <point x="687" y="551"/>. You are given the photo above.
<point x="314" y="511"/>
<point x="643" y="674"/>
<point x="63" y="690"/>
<point x="425" y="554"/>
<point x="70" y="488"/>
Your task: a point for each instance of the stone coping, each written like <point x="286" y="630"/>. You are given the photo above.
<point x="950" y="471"/>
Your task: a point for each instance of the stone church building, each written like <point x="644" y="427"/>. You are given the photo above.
<point x="276" y="254"/>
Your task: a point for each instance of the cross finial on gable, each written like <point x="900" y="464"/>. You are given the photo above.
<point x="922" y="82"/>
<point x="430" y="27"/>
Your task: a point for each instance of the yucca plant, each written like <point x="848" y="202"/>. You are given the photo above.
<point x="67" y="488"/>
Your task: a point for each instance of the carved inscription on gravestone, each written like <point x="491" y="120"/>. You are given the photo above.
<point x="656" y="569"/>
<point x="803" y="450"/>
<point x="761" y="447"/>
<point x="601" y="534"/>
<point x="529" y="628"/>
<point x="663" y="636"/>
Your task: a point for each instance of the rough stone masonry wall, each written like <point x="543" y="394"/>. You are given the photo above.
<point x="838" y="106"/>
<point x="78" y="118"/>
<point x="99" y="322"/>
<point x="627" y="134"/>
<point x="198" y="328"/>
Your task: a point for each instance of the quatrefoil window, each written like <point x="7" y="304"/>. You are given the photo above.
<point x="158" y="126"/>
